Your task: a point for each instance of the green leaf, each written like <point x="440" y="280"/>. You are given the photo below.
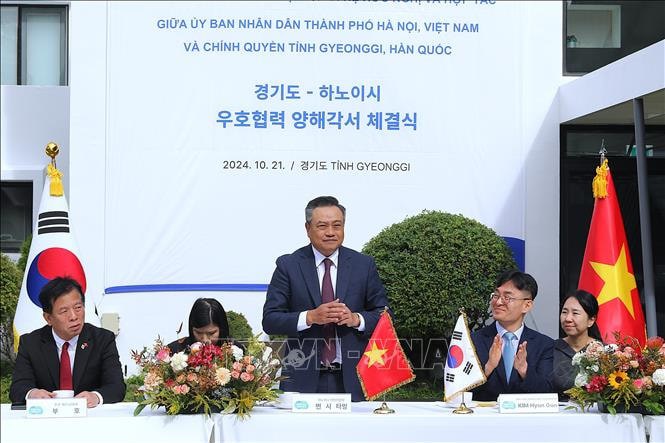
<point x="139" y="408"/>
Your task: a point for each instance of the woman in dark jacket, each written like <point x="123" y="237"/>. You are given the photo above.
<point x="578" y="320"/>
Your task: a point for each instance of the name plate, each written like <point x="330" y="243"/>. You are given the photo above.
<point x="322" y="403"/>
<point x="528" y="403"/>
<point x="56" y="407"/>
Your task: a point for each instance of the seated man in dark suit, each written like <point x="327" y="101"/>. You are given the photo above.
<point x="327" y="299"/>
<point x="502" y="346"/>
<point x="91" y="366"/>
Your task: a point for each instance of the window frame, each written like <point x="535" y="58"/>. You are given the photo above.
<point x="21" y="68"/>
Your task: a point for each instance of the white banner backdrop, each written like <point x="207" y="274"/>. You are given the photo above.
<point x="224" y="119"/>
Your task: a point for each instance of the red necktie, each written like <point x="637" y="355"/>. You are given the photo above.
<point x="327" y="295"/>
<point x="65" y="368"/>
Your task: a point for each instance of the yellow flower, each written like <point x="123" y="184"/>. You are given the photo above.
<point x="618" y="379"/>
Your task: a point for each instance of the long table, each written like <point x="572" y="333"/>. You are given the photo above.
<point x="430" y="422"/>
<point x="107" y="423"/>
<point x="655" y="427"/>
<point x="412" y="421"/>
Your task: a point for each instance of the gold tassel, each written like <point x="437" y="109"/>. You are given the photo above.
<point x="56" y="180"/>
<point x="599" y="184"/>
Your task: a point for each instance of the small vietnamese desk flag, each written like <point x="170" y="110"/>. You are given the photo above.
<point x="383" y="366"/>
<point x="463" y="371"/>
<point x="53" y="252"/>
<point x="607" y="271"/>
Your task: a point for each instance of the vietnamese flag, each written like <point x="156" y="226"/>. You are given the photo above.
<point x="607" y="271"/>
<point x="383" y="366"/>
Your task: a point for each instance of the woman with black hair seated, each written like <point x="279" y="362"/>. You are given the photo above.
<point x="207" y="324"/>
<point x="578" y="320"/>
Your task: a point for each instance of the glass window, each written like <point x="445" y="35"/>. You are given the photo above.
<point x="586" y="141"/>
<point x="43" y="46"/>
<point x="9" y="44"/>
<point x="16" y="218"/>
<point x="34" y="45"/>
<point x="599" y="33"/>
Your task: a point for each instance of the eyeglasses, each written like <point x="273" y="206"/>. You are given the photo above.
<point x="505" y="298"/>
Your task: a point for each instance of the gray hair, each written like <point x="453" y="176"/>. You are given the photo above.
<point x="319" y="202"/>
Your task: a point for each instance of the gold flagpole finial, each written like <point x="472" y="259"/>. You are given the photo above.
<point x="52" y="150"/>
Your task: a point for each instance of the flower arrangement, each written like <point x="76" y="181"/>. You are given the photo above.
<point x="621" y="375"/>
<point x="207" y="378"/>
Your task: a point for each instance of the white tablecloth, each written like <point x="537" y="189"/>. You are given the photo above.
<point x="412" y="422"/>
<point x="655" y="426"/>
<point x="107" y="423"/>
<point x="429" y="422"/>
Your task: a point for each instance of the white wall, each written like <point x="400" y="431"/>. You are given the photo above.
<point x="541" y="77"/>
<point x="31" y="117"/>
<point x="87" y="35"/>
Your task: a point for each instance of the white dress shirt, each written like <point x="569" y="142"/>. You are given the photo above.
<point x="321" y="270"/>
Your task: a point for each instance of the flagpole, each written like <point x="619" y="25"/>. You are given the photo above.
<point x="462" y="408"/>
<point x="384" y="409"/>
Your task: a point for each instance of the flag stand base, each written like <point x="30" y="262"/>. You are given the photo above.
<point x="384" y="409"/>
<point x="462" y="409"/>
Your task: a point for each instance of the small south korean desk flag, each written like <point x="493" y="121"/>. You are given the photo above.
<point x="463" y="371"/>
<point x="53" y="253"/>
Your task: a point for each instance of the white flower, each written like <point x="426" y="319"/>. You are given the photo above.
<point x="274" y="362"/>
<point x="580" y="379"/>
<point x="594" y="368"/>
<point x="658" y="377"/>
<point x="237" y="352"/>
<point x="195" y="347"/>
<point x="577" y="358"/>
<point x="267" y="352"/>
<point x="223" y="376"/>
<point x="611" y="347"/>
<point x="179" y="361"/>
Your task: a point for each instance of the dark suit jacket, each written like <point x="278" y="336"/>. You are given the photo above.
<point x="295" y="288"/>
<point x="538" y="357"/>
<point x="96" y="365"/>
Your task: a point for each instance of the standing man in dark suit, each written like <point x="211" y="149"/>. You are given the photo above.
<point x="327" y="299"/>
<point x="502" y="346"/>
<point x="95" y="373"/>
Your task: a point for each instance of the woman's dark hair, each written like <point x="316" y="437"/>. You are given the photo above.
<point x="590" y="306"/>
<point x="207" y="311"/>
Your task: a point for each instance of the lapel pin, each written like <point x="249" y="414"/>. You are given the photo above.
<point x="84" y="345"/>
